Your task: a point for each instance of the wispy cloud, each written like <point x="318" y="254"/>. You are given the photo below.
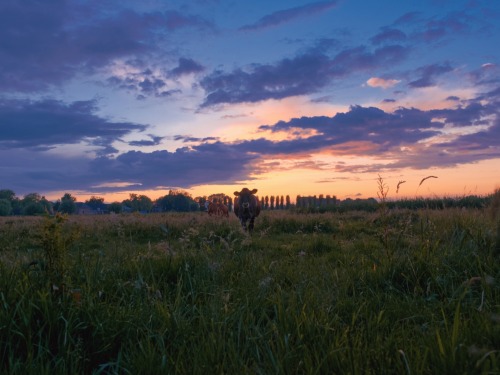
<point x="289" y="14"/>
<point x="429" y="73"/>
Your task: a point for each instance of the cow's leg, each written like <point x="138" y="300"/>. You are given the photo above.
<point x="250" y="225"/>
<point x="243" y="224"/>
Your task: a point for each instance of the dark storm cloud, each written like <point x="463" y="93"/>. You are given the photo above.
<point x="47" y="123"/>
<point x="287" y="15"/>
<point x="45" y="43"/>
<point x="304" y="74"/>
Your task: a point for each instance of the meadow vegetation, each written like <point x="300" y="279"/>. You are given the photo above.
<point x="395" y="291"/>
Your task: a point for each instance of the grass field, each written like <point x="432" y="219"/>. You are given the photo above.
<point x="390" y="292"/>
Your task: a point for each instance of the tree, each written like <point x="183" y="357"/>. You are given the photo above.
<point x="67" y="205"/>
<point x="5" y="207"/>
<point x="201" y="202"/>
<point x="272" y="202"/>
<point x="140" y="203"/>
<point x="288" y="201"/>
<point x="96" y="203"/>
<point x="177" y="202"/>
<point x="115" y="207"/>
<point x="34" y="204"/>
<point x="7" y="194"/>
<point x="15" y="203"/>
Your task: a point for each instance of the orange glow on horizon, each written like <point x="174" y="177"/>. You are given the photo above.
<point x="470" y="179"/>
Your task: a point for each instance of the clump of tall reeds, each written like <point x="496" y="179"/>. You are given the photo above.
<point x="55" y="240"/>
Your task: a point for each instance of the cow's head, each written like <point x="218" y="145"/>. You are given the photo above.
<point x="245" y="197"/>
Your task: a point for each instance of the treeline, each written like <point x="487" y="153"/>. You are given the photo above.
<point x="312" y="204"/>
<point x="35" y="204"/>
<point x="180" y="201"/>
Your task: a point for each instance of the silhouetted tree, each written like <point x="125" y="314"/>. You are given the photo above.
<point x="5" y="207"/>
<point x="34" y="204"/>
<point x="115" y="207"/>
<point x="272" y="202"/>
<point x="14" y="201"/>
<point x="67" y="204"/>
<point x="140" y="203"/>
<point x="96" y="203"/>
<point x="177" y="202"/>
<point x="288" y="204"/>
<point x="7" y="194"/>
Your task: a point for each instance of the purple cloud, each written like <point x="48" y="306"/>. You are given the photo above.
<point x="184" y="167"/>
<point x="153" y="142"/>
<point x="389" y="35"/>
<point x="187" y="66"/>
<point x="304" y="74"/>
<point x="47" y="123"/>
<point x="361" y="131"/>
<point x="44" y="44"/>
<point x="287" y="15"/>
<point x="429" y="73"/>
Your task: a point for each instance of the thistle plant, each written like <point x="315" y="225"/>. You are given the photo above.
<point x="54" y="242"/>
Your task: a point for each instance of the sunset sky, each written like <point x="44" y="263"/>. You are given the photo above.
<point x="108" y="98"/>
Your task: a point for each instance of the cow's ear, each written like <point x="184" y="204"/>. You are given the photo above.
<point x="253" y="191"/>
<point x="237" y="193"/>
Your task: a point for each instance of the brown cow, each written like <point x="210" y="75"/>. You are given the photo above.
<point x="246" y="207"/>
<point x="218" y="209"/>
<point x="212" y="209"/>
<point x="222" y="210"/>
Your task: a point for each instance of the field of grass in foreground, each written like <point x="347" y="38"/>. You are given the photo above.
<point x="392" y="292"/>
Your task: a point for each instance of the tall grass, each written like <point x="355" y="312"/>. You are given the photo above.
<point x="392" y="292"/>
